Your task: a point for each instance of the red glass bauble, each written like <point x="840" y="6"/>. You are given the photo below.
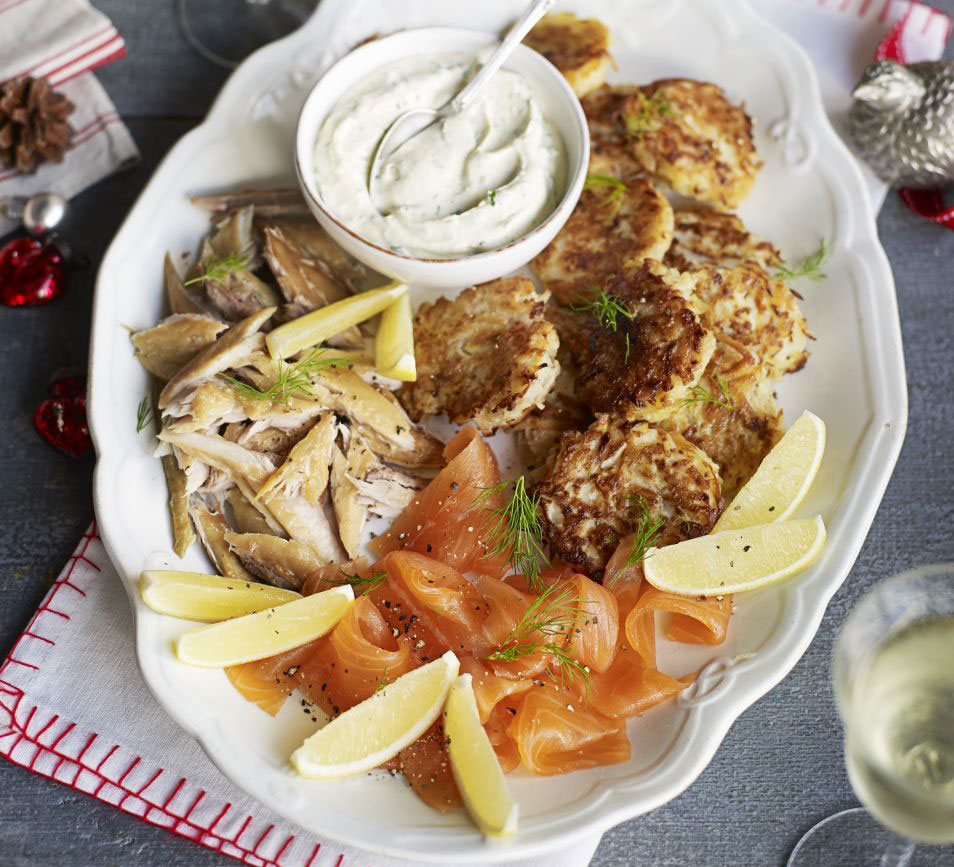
<point x="61" y="420"/>
<point x="31" y="272"/>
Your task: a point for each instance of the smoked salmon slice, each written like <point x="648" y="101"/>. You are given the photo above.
<point x="426" y="765"/>
<point x="448" y="520"/>
<point x="593" y="636"/>
<point x="506" y="605"/>
<point x="624" y="582"/>
<point x="359" y="656"/>
<point x="508" y="755"/>
<point x="334" y="574"/>
<point x="268" y="682"/>
<point x="630" y="687"/>
<point x="554" y="736"/>
<point x="489" y="688"/>
<point x="694" y="621"/>
<point x="448" y="603"/>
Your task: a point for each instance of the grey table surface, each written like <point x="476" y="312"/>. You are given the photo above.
<point x="780" y="768"/>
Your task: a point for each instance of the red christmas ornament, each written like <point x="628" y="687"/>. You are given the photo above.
<point x="31" y="272"/>
<point x="61" y="420"/>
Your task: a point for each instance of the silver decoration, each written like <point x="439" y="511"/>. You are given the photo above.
<point x="902" y="122"/>
<point x="39" y="213"/>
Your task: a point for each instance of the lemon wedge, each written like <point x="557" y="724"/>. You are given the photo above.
<point x="394" y="343"/>
<point x="312" y="328"/>
<point x="209" y="598"/>
<point x="265" y="633"/>
<point x="474" y="764"/>
<point x="381" y="726"/>
<point x="735" y="560"/>
<point x="782" y="479"/>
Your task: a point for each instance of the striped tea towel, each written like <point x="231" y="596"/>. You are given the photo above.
<point x="64" y="40"/>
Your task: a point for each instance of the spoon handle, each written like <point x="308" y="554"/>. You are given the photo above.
<point x="514" y="37"/>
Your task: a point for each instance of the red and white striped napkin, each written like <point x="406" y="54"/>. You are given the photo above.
<point x="73" y="706"/>
<point x="64" y="40"/>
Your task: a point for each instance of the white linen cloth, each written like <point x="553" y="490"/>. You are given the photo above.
<point x="73" y="706"/>
<point x="63" y="40"/>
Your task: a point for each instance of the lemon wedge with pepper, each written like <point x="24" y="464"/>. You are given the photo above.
<point x="317" y="326"/>
<point x="782" y="480"/>
<point x="381" y="726"/>
<point x="394" y="342"/>
<point x="736" y="560"/>
<point x="474" y="764"/>
<point x="209" y="598"/>
<point x="265" y="633"/>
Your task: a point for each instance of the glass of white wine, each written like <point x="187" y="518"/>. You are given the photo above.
<point x="893" y="674"/>
<point x="226" y="31"/>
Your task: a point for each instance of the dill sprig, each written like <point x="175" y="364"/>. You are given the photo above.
<point x="810" y="267"/>
<point x="362" y="583"/>
<point x="701" y="394"/>
<point x="492" y="197"/>
<point x="292" y="378"/>
<point x="648" y="528"/>
<point x="515" y="529"/>
<point x="649" y="107"/>
<point x="606" y="308"/>
<point x="218" y="267"/>
<point x="612" y="190"/>
<point x="143" y="414"/>
<point x="614" y="186"/>
<point x="554" y="613"/>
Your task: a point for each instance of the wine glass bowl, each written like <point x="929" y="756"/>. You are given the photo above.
<point x="894" y="683"/>
<point x="893" y="675"/>
<point x="224" y="32"/>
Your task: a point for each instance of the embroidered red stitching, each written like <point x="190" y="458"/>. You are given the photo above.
<point x="45" y="729"/>
<point x="241" y="831"/>
<point x="152" y="779"/>
<point x="194" y="831"/>
<point x="262" y="837"/>
<point x="288" y="841"/>
<point x="63" y="734"/>
<point x="175" y="792"/>
<point x="29" y="719"/>
<point x="128" y="770"/>
<point x="107" y="757"/>
<point x="89" y="743"/>
<point x="222" y="814"/>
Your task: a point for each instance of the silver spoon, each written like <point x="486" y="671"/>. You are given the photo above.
<point x="408" y="124"/>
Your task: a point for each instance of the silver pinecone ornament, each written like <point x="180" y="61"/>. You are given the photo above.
<point x="902" y="122"/>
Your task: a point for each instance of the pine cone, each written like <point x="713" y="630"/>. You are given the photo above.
<point x="33" y="124"/>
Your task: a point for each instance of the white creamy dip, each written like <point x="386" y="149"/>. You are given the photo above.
<point x="472" y="182"/>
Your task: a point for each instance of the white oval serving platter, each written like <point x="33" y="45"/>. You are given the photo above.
<point x="810" y="187"/>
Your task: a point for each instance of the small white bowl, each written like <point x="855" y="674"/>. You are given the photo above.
<point x="559" y="105"/>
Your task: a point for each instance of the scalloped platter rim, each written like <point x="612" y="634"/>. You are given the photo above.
<point x="810" y="186"/>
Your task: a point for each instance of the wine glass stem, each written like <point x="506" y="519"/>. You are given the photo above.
<point x="898" y="854"/>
